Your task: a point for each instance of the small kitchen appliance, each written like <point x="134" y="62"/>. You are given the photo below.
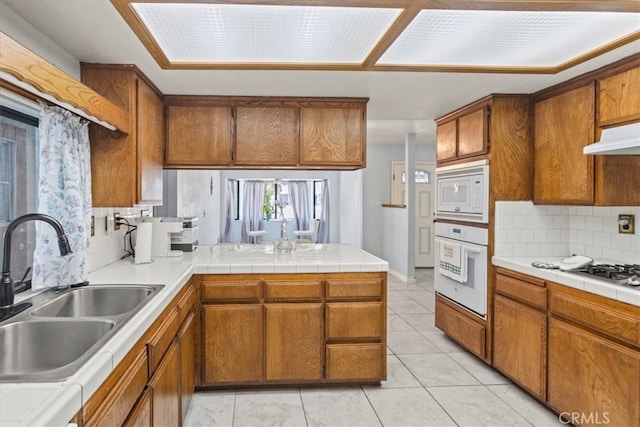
<point x="161" y="237"/>
<point x="187" y="239"/>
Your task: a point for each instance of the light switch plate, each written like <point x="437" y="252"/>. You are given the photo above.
<point x="627" y="224"/>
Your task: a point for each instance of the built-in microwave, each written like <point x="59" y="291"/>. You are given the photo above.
<point x="463" y="192"/>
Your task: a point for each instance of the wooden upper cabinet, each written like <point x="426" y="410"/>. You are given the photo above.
<point x="332" y="136"/>
<point x="472" y="133"/>
<point x="563" y="125"/>
<point x="464" y="133"/>
<point x="198" y="135"/>
<point x="131" y="161"/>
<point x="266" y="136"/>
<point x="447" y="141"/>
<point x="619" y="98"/>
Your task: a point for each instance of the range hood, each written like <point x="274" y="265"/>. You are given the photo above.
<point x="620" y="140"/>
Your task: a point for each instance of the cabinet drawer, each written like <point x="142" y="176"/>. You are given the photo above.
<point x="356" y="362"/>
<point x="162" y="339"/>
<point x="292" y="290"/>
<point x="465" y="331"/>
<point x="114" y="407"/>
<point x="249" y="291"/>
<point x="596" y="316"/>
<point x="186" y="303"/>
<point x="364" y="320"/>
<point x="350" y="289"/>
<point x="532" y="293"/>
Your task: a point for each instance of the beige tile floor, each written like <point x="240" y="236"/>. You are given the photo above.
<point x="432" y="381"/>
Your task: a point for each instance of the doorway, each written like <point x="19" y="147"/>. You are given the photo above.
<point x="425" y="192"/>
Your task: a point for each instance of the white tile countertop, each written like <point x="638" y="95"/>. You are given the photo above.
<point x="53" y="404"/>
<point x="523" y="265"/>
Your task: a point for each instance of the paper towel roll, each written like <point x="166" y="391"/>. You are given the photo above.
<point x="143" y="242"/>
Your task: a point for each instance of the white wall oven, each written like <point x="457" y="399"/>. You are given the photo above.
<point x="461" y="266"/>
<point x="463" y="192"/>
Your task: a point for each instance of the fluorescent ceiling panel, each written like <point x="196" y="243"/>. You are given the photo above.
<point x="227" y="33"/>
<point x="505" y="38"/>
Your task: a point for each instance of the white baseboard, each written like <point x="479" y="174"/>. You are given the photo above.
<point x="402" y="277"/>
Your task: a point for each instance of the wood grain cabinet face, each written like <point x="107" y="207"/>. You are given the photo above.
<point x="564" y="124"/>
<point x="447" y="141"/>
<point x="520" y="344"/>
<point x="266" y="136"/>
<point x="133" y="162"/>
<point x="591" y="375"/>
<point x="165" y="386"/>
<point x="294" y="342"/>
<point x="141" y="414"/>
<point x="472" y="133"/>
<point x="198" y="135"/>
<point x="332" y="136"/>
<point x="233" y="343"/>
<point x="187" y="343"/>
<point x="365" y="361"/>
<point x="619" y="98"/>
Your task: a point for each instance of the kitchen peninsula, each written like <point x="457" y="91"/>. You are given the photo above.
<point x="317" y="288"/>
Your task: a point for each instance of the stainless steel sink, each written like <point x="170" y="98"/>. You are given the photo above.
<point x="94" y="301"/>
<point x="33" y="347"/>
<point x="51" y="340"/>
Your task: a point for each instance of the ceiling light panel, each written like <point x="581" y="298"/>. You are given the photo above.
<point x="228" y="33"/>
<point x="505" y="38"/>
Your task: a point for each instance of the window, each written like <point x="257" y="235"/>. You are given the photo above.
<point x="276" y="194"/>
<point x="421" y="176"/>
<point x="18" y="181"/>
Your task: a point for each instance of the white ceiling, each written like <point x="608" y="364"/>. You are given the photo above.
<point x="400" y="102"/>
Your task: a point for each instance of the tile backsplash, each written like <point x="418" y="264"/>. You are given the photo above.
<point x="107" y="248"/>
<point x="527" y="230"/>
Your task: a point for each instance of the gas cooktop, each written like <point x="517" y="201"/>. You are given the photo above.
<point x="627" y="274"/>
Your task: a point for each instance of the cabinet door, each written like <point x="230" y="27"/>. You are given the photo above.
<point x="187" y="341"/>
<point x="165" y="390"/>
<point x="150" y="118"/>
<point x="520" y="344"/>
<point x="619" y="98"/>
<point x="233" y="349"/>
<point x="592" y="376"/>
<point x="564" y="124"/>
<point x="473" y="131"/>
<point x="266" y="136"/>
<point x="447" y="139"/>
<point x="332" y="136"/>
<point x="198" y="136"/>
<point x="295" y="345"/>
<point x="141" y="414"/>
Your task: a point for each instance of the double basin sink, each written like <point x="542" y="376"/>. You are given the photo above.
<point x="63" y="329"/>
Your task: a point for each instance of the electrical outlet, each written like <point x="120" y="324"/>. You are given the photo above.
<point x="627" y="224"/>
<point x="116" y="226"/>
<point x="144" y="213"/>
<point x="93" y="225"/>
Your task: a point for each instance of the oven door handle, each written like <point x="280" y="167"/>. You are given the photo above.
<point x="467" y="248"/>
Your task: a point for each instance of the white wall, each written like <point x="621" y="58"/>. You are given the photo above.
<point x="376" y="187"/>
<point x="351" y="208"/>
<point x="395" y="249"/>
<point x="527" y="230"/>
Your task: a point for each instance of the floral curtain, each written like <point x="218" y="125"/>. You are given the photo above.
<point x="64" y="192"/>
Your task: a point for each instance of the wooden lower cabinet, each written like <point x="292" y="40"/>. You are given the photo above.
<point x="465" y="330"/>
<point x="593" y="377"/>
<point x="293" y="329"/>
<point x="365" y="361"/>
<point x="187" y="343"/>
<point x="294" y="342"/>
<point x="520" y="344"/>
<point x="141" y="414"/>
<point x="165" y="389"/>
<point x="233" y="343"/>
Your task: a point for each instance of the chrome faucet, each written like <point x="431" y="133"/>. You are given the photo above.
<point x="7" y="292"/>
